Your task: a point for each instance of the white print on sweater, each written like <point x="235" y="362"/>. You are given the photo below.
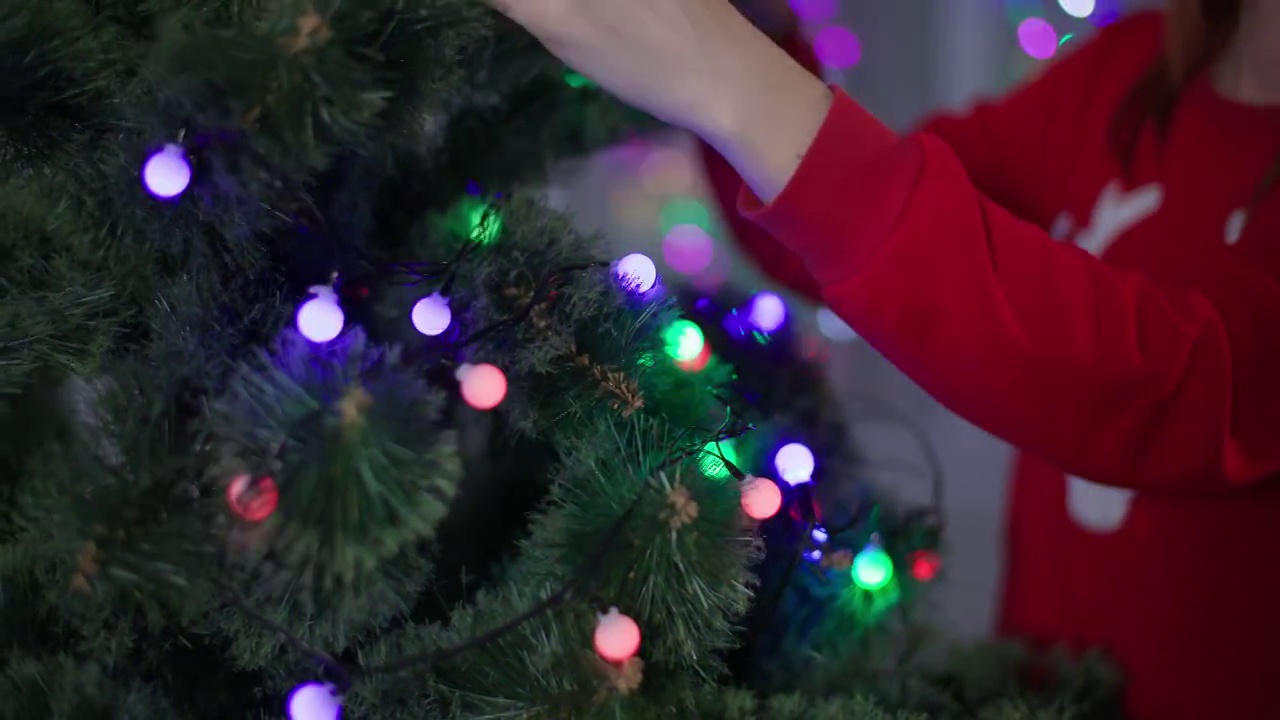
<point x="1093" y="507"/>
<point x="1115" y="212"/>
<point x="1102" y="508"/>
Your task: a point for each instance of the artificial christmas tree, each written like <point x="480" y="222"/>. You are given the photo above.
<point x="310" y="406"/>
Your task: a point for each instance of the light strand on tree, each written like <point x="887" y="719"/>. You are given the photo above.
<point x="346" y="675"/>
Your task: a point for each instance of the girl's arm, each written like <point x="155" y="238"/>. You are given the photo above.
<point x="932" y="247"/>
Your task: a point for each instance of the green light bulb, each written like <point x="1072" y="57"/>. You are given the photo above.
<point x="684" y="340"/>
<point x="483" y="224"/>
<point x="576" y="80"/>
<point x="685" y="211"/>
<point x="872" y="568"/>
<point x="710" y="462"/>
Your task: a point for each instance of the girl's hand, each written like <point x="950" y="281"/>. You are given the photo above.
<point x="680" y="60"/>
<point x="698" y="64"/>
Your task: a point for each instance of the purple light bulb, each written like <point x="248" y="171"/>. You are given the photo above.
<point x="795" y="463"/>
<point x="314" y="701"/>
<point x="688" y="249"/>
<point x="1038" y="38"/>
<point x="636" y="273"/>
<point x="768" y="312"/>
<point x="431" y="315"/>
<point x="320" y="319"/>
<point x="166" y="174"/>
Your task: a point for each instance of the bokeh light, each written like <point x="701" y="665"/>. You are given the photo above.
<point x="768" y="312"/>
<point x="837" y="47"/>
<point x="633" y="210"/>
<point x="684" y="340"/>
<point x="697" y="364"/>
<point x="872" y="568"/>
<point x="1078" y="8"/>
<point x="1037" y="38"/>
<point x="688" y="249"/>
<point x="685" y="211"/>
<point x="667" y="171"/>
<point x="710" y="281"/>
<point x="815" y="11"/>
<point x="577" y="80"/>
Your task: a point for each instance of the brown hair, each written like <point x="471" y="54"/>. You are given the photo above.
<point x="1197" y="32"/>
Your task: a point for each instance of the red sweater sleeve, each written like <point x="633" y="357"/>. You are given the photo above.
<point x="1091" y="367"/>
<point x="1002" y="152"/>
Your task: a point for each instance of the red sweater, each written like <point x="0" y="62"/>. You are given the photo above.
<point x="1141" y="350"/>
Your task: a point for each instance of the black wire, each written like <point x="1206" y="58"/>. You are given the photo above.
<point x="894" y="416"/>
<point x="768" y="608"/>
<point x="545" y="285"/>
<point x="552" y="601"/>
<point x="562" y="595"/>
<point x="343" y="677"/>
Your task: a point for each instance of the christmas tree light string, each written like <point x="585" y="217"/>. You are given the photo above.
<point x="345" y="675"/>
<point x="416" y="273"/>
<point x="791" y="472"/>
<point x="859" y="583"/>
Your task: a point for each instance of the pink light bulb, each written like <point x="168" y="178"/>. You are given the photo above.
<point x="761" y="498"/>
<point x="1037" y="38"/>
<point x="688" y="249"/>
<point x="617" y="637"/>
<point x="483" y="387"/>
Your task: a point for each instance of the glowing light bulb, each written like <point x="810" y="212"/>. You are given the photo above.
<point x="761" y="498"/>
<point x="483" y="223"/>
<point x="872" y="568"/>
<point x="483" y="386"/>
<point x="314" y="701"/>
<point x="320" y="319"/>
<point x="768" y="312"/>
<point x="684" y="211"/>
<point x="684" y="340"/>
<point x="431" y="315"/>
<point x="925" y="565"/>
<point x="166" y="174"/>
<point x="636" y="273"/>
<point x="1037" y="38"/>
<point x="252" y="501"/>
<point x="688" y="249"/>
<point x="712" y="460"/>
<point x="816" y="11"/>
<point x="837" y="47"/>
<point x="617" y="637"/>
<point x="795" y="463"/>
